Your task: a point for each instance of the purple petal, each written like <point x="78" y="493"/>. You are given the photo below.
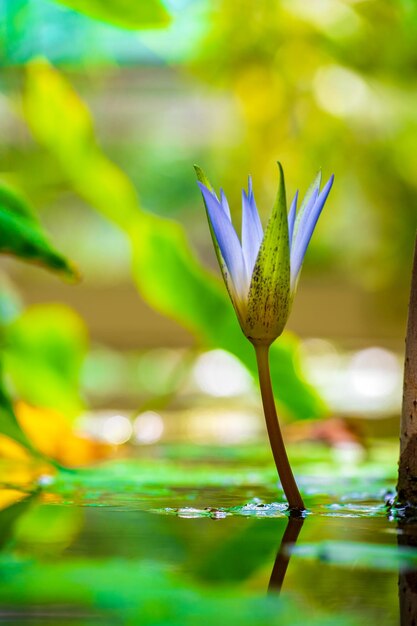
<point x="302" y="218"/>
<point x="306" y="229"/>
<point x="227" y="240"/>
<point x="305" y="209"/>
<point x="250" y="187"/>
<point x="252" y="232"/>
<point x="308" y="202"/>
<point x="225" y="204"/>
<point x="291" y="217"/>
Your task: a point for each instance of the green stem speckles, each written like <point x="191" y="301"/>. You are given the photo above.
<point x="295" y="501"/>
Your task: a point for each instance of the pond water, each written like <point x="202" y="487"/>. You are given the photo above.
<point x="204" y="540"/>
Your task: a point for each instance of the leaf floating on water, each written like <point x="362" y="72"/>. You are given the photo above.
<point x="256" y="509"/>
<point x="356" y="510"/>
<point x="252" y="509"/>
<point x="192" y="513"/>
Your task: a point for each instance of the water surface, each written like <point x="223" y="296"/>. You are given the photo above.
<point x="162" y="541"/>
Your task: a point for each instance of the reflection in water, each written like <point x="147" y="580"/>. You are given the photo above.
<point x="124" y="559"/>
<point x="282" y="559"/>
<point x="13" y="504"/>
<point x="407" y="580"/>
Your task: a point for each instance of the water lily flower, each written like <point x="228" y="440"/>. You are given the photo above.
<point x="261" y="269"/>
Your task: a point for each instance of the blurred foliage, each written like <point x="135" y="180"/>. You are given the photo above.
<point x="13" y="504"/>
<point x="63" y="526"/>
<point x="310" y="83"/>
<point x="143" y="591"/>
<point x="43" y="352"/>
<point x="10" y="429"/>
<point x="10" y="301"/>
<point x="36" y="365"/>
<point x="315" y="84"/>
<point x="96" y="33"/>
<point x="124" y="13"/>
<point x="165" y="269"/>
<point x="361" y="555"/>
<point x="9" y="424"/>
<point x="22" y="236"/>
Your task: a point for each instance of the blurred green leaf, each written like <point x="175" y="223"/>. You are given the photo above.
<point x="10" y="515"/>
<point x="366" y="555"/>
<point x="48" y="530"/>
<point x="135" y="592"/>
<point x="49" y="340"/>
<point x="131" y="14"/>
<point x="166" y="271"/>
<point x="10" y="302"/>
<point x="238" y="557"/>
<point x="22" y="236"/>
<point x="9" y="425"/>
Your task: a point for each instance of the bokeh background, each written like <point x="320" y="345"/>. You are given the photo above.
<point x="101" y="121"/>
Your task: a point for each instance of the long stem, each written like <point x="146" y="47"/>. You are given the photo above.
<point x="279" y="452"/>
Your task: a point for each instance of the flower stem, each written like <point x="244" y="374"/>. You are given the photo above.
<point x="295" y="501"/>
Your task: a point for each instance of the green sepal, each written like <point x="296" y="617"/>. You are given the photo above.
<point x="269" y="292"/>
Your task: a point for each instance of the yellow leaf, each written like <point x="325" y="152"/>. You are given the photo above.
<point x="51" y="434"/>
<point x="11" y="496"/>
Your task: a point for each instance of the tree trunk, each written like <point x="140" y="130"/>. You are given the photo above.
<point x="407" y="475"/>
<point x="407" y="581"/>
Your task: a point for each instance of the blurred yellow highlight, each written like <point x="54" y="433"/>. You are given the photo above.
<point x="51" y="434"/>
<point x="11" y="496"/>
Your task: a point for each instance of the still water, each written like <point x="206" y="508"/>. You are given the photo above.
<point x="163" y="543"/>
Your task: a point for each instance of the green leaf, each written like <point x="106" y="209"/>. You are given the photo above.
<point x="132" y="591"/>
<point x="51" y="341"/>
<point x="130" y="14"/>
<point x="10" y="302"/>
<point x="167" y="273"/>
<point x="22" y="236"/>
<point x="9" y="425"/>
<point x="239" y="556"/>
<point x="366" y="555"/>
<point x="10" y="516"/>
